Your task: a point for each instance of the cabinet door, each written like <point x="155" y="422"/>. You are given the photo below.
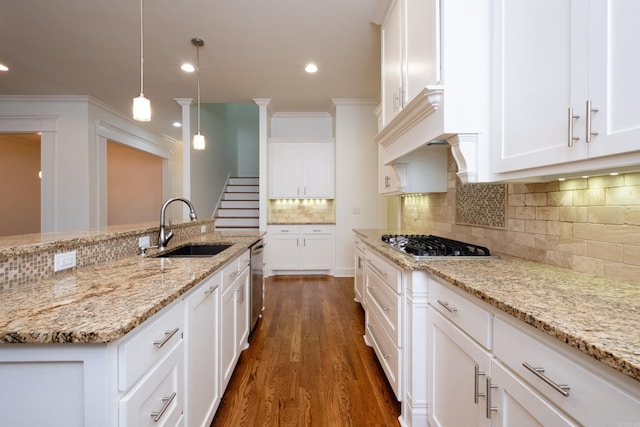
<point x="228" y="325"/>
<point x="158" y="399"/>
<point x="537" y="45"/>
<point x="317" y="171"/>
<point x="284" y="170"/>
<point x="457" y="371"/>
<point x="358" y="280"/>
<point x="317" y="252"/>
<point x="516" y="404"/>
<point x="243" y="310"/>
<point x="391" y="33"/>
<point x="284" y="252"/>
<point x="202" y="352"/>
<point x="422" y="46"/>
<point x="613" y="73"/>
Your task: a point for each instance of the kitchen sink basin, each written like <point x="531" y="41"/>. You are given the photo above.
<point x="194" y="250"/>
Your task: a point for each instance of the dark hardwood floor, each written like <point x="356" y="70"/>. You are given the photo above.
<point x="307" y="364"/>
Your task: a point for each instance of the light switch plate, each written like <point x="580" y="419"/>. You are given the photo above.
<point x="64" y="261"/>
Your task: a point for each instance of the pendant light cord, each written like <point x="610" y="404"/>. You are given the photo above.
<point x="198" y="76"/>
<point x="141" y="47"/>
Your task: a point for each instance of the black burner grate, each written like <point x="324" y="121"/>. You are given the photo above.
<point x="422" y="245"/>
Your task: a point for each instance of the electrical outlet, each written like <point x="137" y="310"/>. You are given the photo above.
<point x="64" y="261"/>
<point x="203" y="229"/>
<point x="415" y="213"/>
<point x="144" y="242"/>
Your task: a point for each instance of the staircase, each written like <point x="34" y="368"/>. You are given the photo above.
<point x="238" y="208"/>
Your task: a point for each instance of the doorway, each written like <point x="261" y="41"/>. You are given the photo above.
<point x="20" y="175"/>
<point x="134" y="185"/>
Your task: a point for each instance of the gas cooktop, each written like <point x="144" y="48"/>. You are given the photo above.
<point x="422" y="246"/>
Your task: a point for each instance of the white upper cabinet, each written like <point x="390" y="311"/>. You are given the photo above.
<point x="301" y="168"/>
<point x="614" y="67"/>
<point x="391" y="33"/>
<point x="410" y="53"/>
<point x="435" y="80"/>
<point x="565" y="86"/>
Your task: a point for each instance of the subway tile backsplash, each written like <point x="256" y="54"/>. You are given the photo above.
<point x="591" y="225"/>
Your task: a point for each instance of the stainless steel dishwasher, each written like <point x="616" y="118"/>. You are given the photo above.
<point x="257" y="281"/>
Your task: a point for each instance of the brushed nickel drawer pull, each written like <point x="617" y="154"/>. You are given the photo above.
<point x="167" y="337"/>
<point x="489" y="407"/>
<point x="377" y="269"/>
<point x="376" y="299"/>
<point x="210" y="290"/>
<point x="563" y="389"/>
<point x="476" y="385"/>
<point x="448" y="307"/>
<point x="589" y="111"/>
<point x="166" y="403"/>
<point x="572" y="138"/>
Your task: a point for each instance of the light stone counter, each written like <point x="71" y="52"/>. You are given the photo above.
<point x="101" y="304"/>
<point x="597" y="316"/>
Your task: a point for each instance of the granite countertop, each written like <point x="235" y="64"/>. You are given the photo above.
<point x="596" y="316"/>
<point x="103" y="303"/>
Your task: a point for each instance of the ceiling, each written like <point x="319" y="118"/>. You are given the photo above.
<point x="253" y="49"/>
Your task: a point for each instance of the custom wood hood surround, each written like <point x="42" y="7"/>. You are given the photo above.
<point x="422" y="122"/>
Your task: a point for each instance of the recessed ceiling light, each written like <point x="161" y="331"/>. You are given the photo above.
<point x="177" y="124"/>
<point x="311" y="68"/>
<point x="188" y="68"/>
<point x="4" y="67"/>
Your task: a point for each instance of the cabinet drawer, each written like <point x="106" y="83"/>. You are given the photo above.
<point x="229" y="273"/>
<point x="244" y="260"/>
<point x="137" y="354"/>
<point x="284" y="229"/>
<point x="389" y="355"/>
<point x="158" y="400"/>
<point x="391" y="275"/>
<point x="591" y="399"/>
<point x="469" y="317"/>
<point x="386" y="303"/>
<point x="317" y="229"/>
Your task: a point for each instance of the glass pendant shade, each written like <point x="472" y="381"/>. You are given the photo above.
<point x="141" y="109"/>
<point x="198" y="141"/>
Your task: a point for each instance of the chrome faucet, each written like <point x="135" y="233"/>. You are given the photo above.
<point x="164" y="237"/>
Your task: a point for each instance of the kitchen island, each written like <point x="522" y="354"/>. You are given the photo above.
<point x="584" y="318"/>
<point x="126" y="341"/>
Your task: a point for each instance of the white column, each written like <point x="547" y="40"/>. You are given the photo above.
<point x="185" y="103"/>
<point x="263" y="137"/>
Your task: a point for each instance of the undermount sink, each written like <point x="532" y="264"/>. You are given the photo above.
<point x="194" y="250"/>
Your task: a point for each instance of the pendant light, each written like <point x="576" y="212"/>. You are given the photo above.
<point x="141" y="105"/>
<point x="198" y="139"/>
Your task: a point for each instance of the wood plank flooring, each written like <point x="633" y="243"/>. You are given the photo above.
<point x="307" y="364"/>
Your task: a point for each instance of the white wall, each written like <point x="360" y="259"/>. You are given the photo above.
<point x="356" y="176"/>
<point x="74" y="187"/>
<point x="301" y="124"/>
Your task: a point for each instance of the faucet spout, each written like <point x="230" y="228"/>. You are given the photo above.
<point x="164" y="237"/>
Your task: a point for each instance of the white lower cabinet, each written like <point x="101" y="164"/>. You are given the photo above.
<point x="234" y="317"/>
<point x="202" y="379"/>
<point x="305" y="248"/>
<point x="158" y="399"/>
<point x="512" y="402"/>
<point x="571" y="384"/>
<point x="358" y="261"/>
<point x="458" y="367"/>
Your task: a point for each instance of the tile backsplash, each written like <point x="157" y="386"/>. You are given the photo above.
<point x="22" y="260"/>
<point x="301" y="211"/>
<point x="590" y="225"/>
